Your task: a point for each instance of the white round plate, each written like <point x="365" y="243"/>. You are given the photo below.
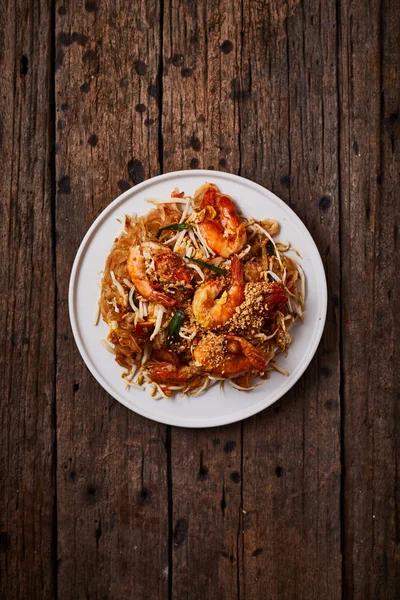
<point x="214" y="407"/>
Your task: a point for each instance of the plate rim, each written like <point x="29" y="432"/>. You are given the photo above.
<point x="201" y="422"/>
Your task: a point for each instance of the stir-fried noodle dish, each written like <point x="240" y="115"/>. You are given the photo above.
<point x="196" y="294"/>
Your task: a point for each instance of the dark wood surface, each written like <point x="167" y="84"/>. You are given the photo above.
<point x="300" y="501"/>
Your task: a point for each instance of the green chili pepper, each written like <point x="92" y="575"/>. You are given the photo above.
<point x="207" y="266"/>
<point x="270" y="248"/>
<point x="174" y="327"/>
<point x="174" y="227"/>
<point x="270" y="278"/>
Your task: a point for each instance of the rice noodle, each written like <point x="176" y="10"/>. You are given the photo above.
<point x="146" y="354"/>
<point x="179" y="240"/>
<point x="132" y="384"/>
<point x="194" y="240"/>
<point x="252" y="235"/>
<point x="276" y="367"/>
<point x="168" y="201"/>
<point x="157" y="327"/>
<point x="189" y="250"/>
<point x="265" y="232"/>
<point x="119" y="287"/>
<point x="297" y="308"/>
<point x="107" y="346"/>
<point x="174" y="388"/>
<point x="267" y="337"/>
<point x="160" y="391"/>
<point x="199" y="390"/>
<point x="129" y="376"/>
<point x="97" y="312"/>
<point x="244" y="252"/>
<point x="282" y="246"/>
<point x="196" y="268"/>
<point x="202" y="240"/>
<point x="242" y="389"/>
<point x="303" y="282"/>
<point x="273" y="275"/>
<point x="295" y="251"/>
<point x="186" y="334"/>
<point x="171" y="239"/>
<point x="140" y="309"/>
<point x="185" y="213"/>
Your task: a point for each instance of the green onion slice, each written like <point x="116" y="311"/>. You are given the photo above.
<point x="207" y="266"/>
<point x="132" y="298"/>
<point x="174" y="227"/>
<point x="174" y="326"/>
<point x="270" y="248"/>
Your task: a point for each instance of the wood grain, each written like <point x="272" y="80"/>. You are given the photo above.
<point x="26" y="305"/>
<point x="200" y="130"/>
<point x="111" y="476"/>
<point x="369" y="96"/>
<point x="201" y="55"/>
<point x="291" y="467"/>
<point x="302" y="97"/>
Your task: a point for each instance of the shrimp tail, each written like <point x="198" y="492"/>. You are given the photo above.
<point x="163" y="299"/>
<point x="237" y="270"/>
<point x="254" y="355"/>
<point x="256" y="358"/>
<point x="167" y="373"/>
<point x="209" y="197"/>
<point x="276" y="296"/>
<point x="224" y="233"/>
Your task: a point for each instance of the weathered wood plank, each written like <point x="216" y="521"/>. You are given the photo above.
<point x="111" y="476"/>
<point x="291" y="471"/>
<point x="206" y="505"/>
<point x="370" y="168"/>
<point x="26" y="304"/>
<point x="201" y="57"/>
<point x="200" y="130"/>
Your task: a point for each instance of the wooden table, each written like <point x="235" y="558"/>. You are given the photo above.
<point x="301" y="501"/>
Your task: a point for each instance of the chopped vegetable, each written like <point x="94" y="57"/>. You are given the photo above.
<point x="132" y="299"/>
<point x="270" y="248"/>
<point x="174" y="227"/>
<point x="174" y="327"/>
<point x="207" y="266"/>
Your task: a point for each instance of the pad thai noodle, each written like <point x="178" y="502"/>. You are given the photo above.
<point x="195" y="294"/>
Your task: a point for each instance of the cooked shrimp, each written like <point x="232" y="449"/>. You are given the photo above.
<point x="276" y="296"/>
<point x="167" y="265"/>
<point x="211" y="313"/>
<point x="167" y="373"/>
<point x="253" y="269"/>
<point x="228" y="355"/>
<point x="224" y="233"/>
